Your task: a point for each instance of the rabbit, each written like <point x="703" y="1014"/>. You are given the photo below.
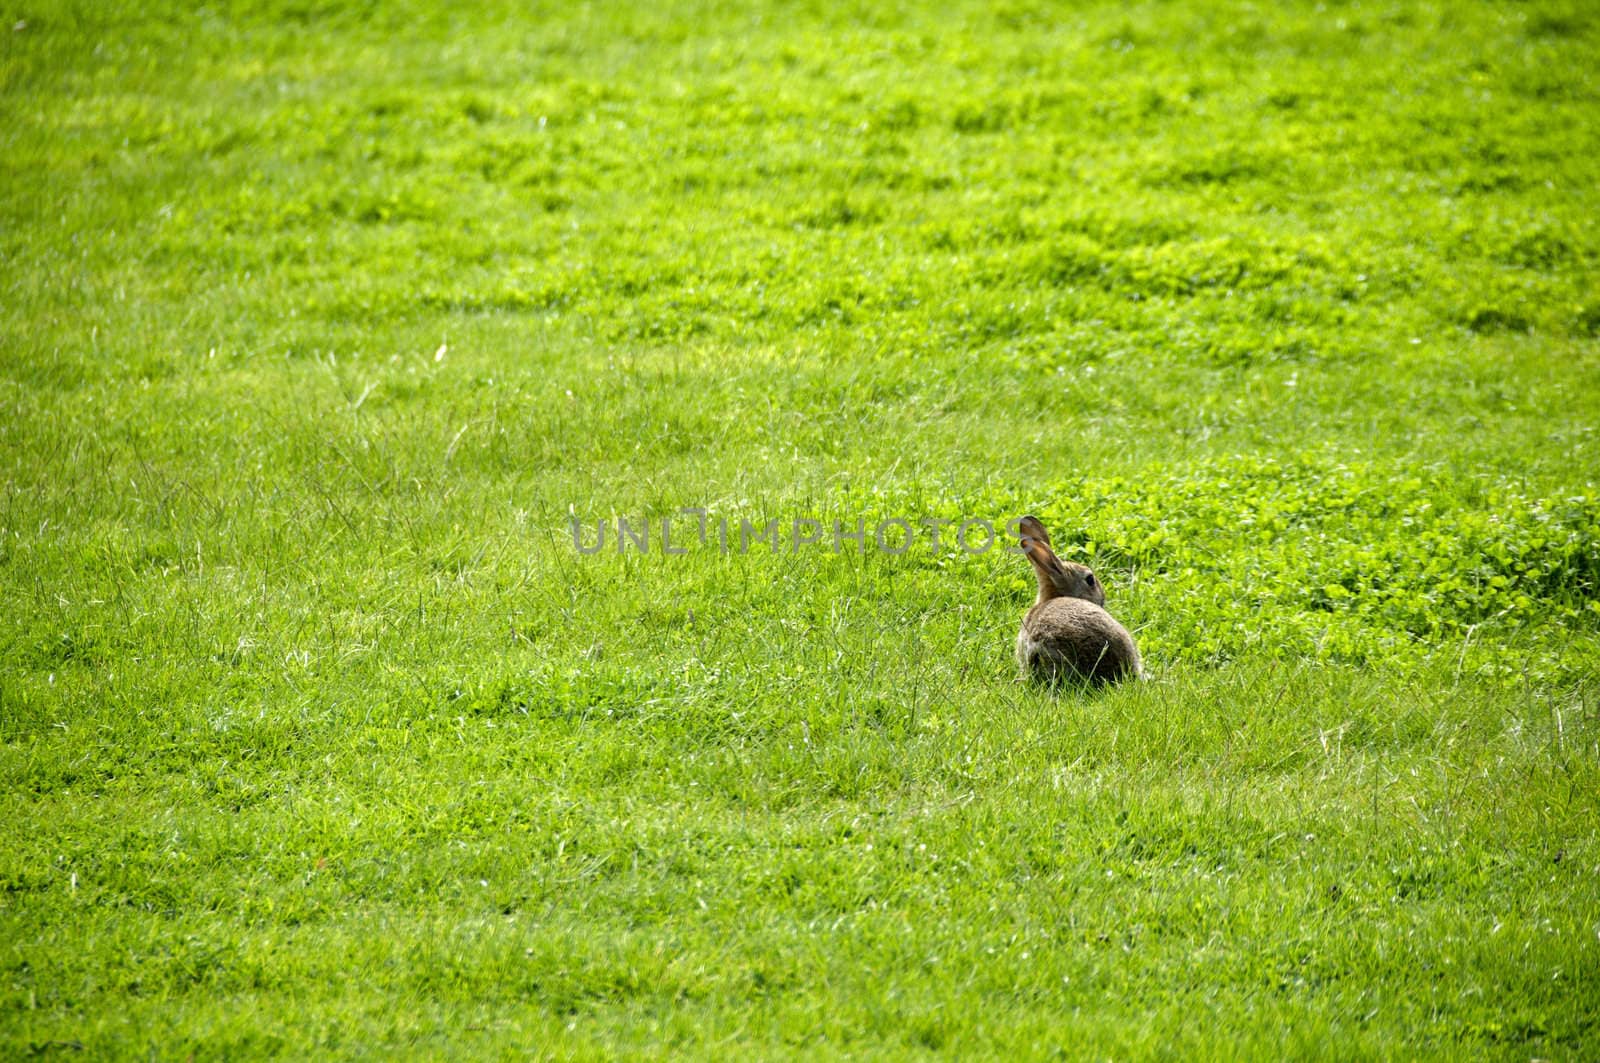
<point x="1067" y="634"/>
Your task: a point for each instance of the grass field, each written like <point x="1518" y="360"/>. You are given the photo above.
<point x="322" y="323"/>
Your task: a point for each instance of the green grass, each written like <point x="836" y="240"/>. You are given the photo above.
<point x="320" y="322"/>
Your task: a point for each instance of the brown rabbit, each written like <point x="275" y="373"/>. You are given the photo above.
<point x="1067" y="634"/>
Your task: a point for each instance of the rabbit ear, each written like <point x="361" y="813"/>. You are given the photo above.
<point x="1043" y="558"/>
<point x="1032" y="529"/>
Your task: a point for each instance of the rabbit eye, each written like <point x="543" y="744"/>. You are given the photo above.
<point x="1090" y="578"/>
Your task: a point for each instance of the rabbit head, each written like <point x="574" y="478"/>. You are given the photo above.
<point x="1057" y="578"/>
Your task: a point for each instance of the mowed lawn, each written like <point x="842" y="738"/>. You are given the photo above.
<point x="324" y="325"/>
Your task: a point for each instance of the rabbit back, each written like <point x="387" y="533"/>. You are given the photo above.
<point x="1065" y="638"/>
